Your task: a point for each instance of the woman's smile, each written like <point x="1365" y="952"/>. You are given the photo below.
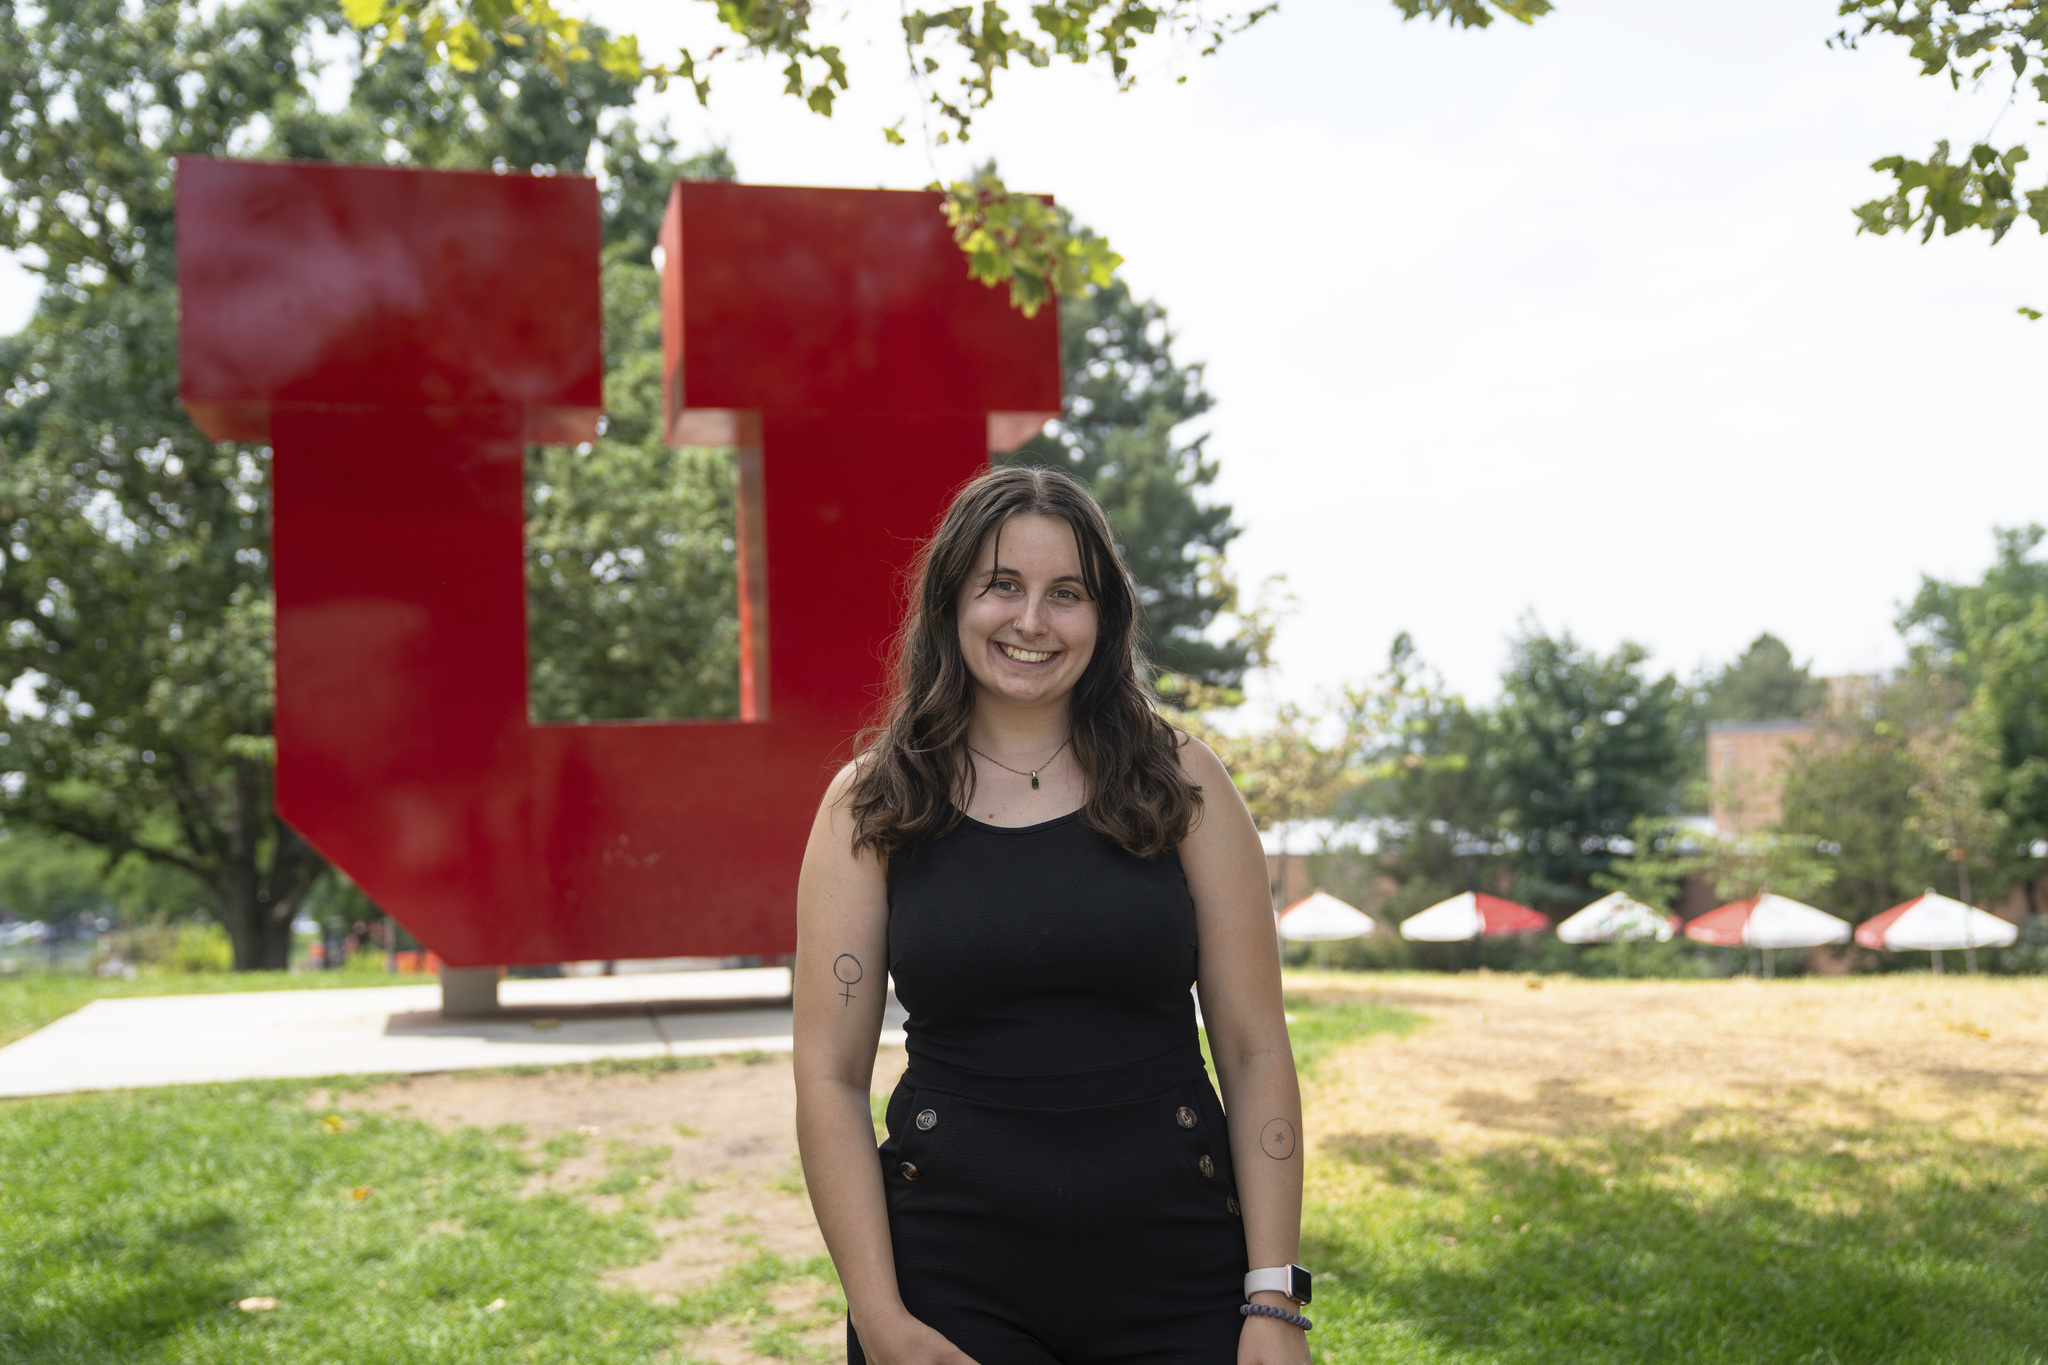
<point x="1021" y="655"/>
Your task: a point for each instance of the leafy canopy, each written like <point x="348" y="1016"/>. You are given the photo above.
<point x="952" y="57"/>
<point x="1978" y="42"/>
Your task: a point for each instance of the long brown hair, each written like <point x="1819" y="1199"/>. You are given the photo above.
<point x="916" y="762"/>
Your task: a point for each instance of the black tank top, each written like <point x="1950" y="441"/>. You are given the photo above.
<point x="1041" y="952"/>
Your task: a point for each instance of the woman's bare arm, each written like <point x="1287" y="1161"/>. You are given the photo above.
<point x="840" y="986"/>
<point x="1239" y="988"/>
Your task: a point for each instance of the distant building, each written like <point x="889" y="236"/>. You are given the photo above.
<point x="1745" y="770"/>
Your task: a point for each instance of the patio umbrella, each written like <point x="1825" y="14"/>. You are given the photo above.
<point x="1471" y="915"/>
<point x="1935" y="924"/>
<point x="1320" y="918"/>
<point x="1617" y="918"/>
<point x="1768" y="922"/>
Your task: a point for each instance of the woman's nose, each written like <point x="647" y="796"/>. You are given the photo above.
<point x="1033" y="619"/>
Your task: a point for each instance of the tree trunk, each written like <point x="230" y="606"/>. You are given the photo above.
<point x="262" y="936"/>
<point x="264" y="874"/>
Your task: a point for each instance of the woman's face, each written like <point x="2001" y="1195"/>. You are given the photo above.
<point x="1027" y="623"/>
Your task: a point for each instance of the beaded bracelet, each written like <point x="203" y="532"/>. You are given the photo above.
<point x="1281" y="1313"/>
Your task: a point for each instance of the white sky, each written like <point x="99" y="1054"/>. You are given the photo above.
<point x="1566" y="321"/>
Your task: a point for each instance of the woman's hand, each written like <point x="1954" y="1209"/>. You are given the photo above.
<point x="903" y="1340"/>
<point x="1269" y="1341"/>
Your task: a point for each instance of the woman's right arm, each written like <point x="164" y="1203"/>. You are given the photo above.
<point x="840" y="986"/>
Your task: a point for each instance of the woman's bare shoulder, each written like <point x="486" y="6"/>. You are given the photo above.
<point x="1198" y="760"/>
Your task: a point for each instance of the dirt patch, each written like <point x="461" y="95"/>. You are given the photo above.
<point x="1509" y="1058"/>
<point x="711" y="1153"/>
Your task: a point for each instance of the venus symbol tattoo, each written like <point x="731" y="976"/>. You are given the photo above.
<point x="846" y="970"/>
<point x="1276" y="1139"/>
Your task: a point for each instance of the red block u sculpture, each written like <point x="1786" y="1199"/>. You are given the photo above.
<point x="398" y="337"/>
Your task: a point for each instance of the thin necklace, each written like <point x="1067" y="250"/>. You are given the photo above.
<point x="1033" y="774"/>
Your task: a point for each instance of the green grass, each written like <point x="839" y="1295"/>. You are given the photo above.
<point x="1719" y="1243"/>
<point x="30" y="1000"/>
<point x="134" y="1223"/>
<point x="1320" y="1028"/>
<point x="1730" y="1238"/>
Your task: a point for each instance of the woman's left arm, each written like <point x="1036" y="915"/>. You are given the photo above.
<point x="1239" y="986"/>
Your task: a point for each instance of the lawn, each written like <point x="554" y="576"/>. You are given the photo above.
<point x="1714" y="1244"/>
<point x="135" y="1223"/>
<point x="1490" y="1187"/>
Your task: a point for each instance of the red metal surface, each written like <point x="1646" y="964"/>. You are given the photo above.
<point x="398" y="336"/>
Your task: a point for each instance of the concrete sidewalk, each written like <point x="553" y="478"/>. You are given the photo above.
<point x="187" y="1039"/>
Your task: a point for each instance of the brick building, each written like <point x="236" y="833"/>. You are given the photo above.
<point x="1745" y="770"/>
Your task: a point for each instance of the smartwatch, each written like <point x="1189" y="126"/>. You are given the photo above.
<point x="1290" y="1280"/>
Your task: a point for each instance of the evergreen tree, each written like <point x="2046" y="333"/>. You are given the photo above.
<point x="1582" y="745"/>
<point x="1762" y="684"/>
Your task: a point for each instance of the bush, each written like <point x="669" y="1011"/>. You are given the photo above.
<point x="201" y="948"/>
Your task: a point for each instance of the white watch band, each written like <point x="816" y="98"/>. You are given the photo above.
<point x="1279" y="1279"/>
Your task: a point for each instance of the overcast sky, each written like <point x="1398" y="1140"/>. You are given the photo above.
<point x="1565" y="323"/>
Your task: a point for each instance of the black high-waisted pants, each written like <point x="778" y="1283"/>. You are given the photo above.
<point x="1073" y="1219"/>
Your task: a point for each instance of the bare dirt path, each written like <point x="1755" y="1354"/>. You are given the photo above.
<point x="1503" y="1059"/>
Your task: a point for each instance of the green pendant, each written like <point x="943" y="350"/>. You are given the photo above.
<point x="1034" y="781"/>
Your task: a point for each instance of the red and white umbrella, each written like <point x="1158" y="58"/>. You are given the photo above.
<point x="1322" y="918"/>
<point x="1768" y="921"/>
<point x="1471" y="915"/>
<point x="1933" y="923"/>
<point x="1617" y="918"/>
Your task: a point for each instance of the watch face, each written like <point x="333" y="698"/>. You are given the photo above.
<point x="1298" y="1284"/>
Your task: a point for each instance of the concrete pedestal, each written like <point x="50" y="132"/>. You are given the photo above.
<point x="469" y="991"/>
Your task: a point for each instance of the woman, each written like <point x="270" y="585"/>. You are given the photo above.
<point x="1046" y="867"/>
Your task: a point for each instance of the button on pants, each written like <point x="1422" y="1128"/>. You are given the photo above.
<point x="1033" y="1235"/>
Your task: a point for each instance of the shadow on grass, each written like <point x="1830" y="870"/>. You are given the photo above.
<point x="1719" y="1239"/>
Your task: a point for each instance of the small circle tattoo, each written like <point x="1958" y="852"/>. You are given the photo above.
<point x="841" y="966"/>
<point x="1276" y="1139"/>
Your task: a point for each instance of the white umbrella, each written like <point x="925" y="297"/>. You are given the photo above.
<point x="1933" y="923"/>
<point x="1322" y="918"/>
<point x="1768" y="922"/>
<point x="1616" y="918"/>
<point x="1468" y="916"/>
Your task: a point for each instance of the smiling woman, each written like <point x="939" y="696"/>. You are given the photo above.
<point x="1046" y="867"/>
<point x="1022" y="651"/>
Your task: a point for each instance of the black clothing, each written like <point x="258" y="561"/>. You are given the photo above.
<point x="1057" y="1168"/>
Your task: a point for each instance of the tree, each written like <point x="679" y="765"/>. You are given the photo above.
<point x="1762" y="684"/>
<point x="135" y="589"/>
<point x="1973" y="40"/>
<point x="1582" y="745"/>
<point x="1852" y="785"/>
<point x="952" y="56"/>
<point x="1990" y="639"/>
<point x="1428" y="787"/>
<point x="632" y="590"/>
<point x="1126" y="401"/>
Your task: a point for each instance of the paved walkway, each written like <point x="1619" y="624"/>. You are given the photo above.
<point x="383" y="1030"/>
